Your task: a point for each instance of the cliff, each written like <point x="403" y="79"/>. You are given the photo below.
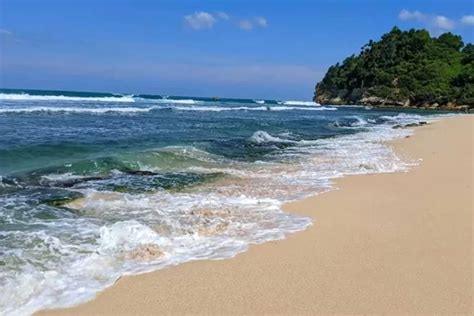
<point x="404" y="69"/>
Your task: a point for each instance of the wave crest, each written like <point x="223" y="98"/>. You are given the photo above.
<point x="29" y="97"/>
<point x="262" y="137"/>
<point x="53" y="109"/>
<point x="305" y="103"/>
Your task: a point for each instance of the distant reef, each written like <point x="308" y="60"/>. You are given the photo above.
<point x="404" y="69"/>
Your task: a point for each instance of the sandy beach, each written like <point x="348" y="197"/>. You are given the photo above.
<point x="384" y="243"/>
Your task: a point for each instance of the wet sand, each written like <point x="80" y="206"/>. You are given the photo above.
<point x="384" y="243"/>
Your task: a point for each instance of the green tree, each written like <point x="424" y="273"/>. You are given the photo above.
<point x="404" y="66"/>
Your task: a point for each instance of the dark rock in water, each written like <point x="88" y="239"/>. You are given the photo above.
<point x="59" y="202"/>
<point x="60" y="198"/>
<point x="421" y="123"/>
<point x="77" y="181"/>
<point x="72" y="182"/>
<point x="141" y="173"/>
<point x="416" y="124"/>
<point x="9" y="185"/>
<point x="121" y="189"/>
<point x="8" y="181"/>
<point x="139" y="182"/>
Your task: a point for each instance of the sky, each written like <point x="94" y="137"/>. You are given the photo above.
<point x="246" y="49"/>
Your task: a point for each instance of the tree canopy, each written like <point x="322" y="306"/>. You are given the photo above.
<point x="404" y="68"/>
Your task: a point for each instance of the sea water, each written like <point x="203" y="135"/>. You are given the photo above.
<point x="97" y="185"/>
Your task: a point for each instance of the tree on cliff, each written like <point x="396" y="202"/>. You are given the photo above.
<point x="404" y="68"/>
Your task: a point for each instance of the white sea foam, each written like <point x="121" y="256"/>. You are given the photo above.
<point x="259" y="101"/>
<point x="359" y="122"/>
<point x="351" y="121"/>
<point x="65" y="109"/>
<point x="305" y="103"/>
<point x="252" y="108"/>
<point x="28" y="97"/>
<point x="319" y="108"/>
<point x="183" y="227"/>
<point x="125" y="236"/>
<point x="61" y="176"/>
<point x="261" y="137"/>
<point x="174" y="101"/>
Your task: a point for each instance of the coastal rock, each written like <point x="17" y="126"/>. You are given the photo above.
<point x="421" y="123"/>
<point x="378" y="101"/>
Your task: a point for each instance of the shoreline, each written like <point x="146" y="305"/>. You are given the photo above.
<point x="458" y="108"/>
<point x="379" y="243"/>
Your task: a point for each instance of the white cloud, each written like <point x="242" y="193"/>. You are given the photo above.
<point x="261" y="21"/>
<point x="5" y="32"/>
<point x="9" y="36"/>
<point x="200" y="20"/>
<point x="467" y="20"/>
<point x="406" y="15"/>
<point x="443" y="22"/>
<point x="222" y="15"/>
<point x="436" y="23"/>
<point x="250" y="24"/>
<point x="246" y="25"/>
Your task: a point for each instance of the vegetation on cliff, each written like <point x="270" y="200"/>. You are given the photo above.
<point x="404" y="68"/>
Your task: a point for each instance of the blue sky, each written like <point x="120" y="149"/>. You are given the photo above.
<point x="256" y="49"/>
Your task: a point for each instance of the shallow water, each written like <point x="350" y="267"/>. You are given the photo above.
<point x="94" y="186"/>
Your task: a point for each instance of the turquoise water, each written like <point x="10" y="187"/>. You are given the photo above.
<point x="97" y="185"/>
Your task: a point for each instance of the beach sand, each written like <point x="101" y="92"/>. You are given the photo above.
<point x="384" y="243"/>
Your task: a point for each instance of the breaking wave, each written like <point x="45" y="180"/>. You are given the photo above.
<point x="253" y="108"/>
<point x="96" y="110"/>
<point x="177" y="101"/>
<point x="262" y="137"/>
<point x="104" y="110"/>
<point x="28" y="97"/>
<point x="305" y="103"/>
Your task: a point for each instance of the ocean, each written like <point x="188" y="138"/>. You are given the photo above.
<point x="94" y="186"/>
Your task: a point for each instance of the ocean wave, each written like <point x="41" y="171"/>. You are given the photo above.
<point x="176" y="101"/>
<point x="305" y="103"/>
<point x="259" y="101"/>
<point x="319" y="108"/>
<point x="404" y="118"/>
<point x="262" y="137"/>
<point x="28" y="97"/>
<point x="250" y="108"/>
<point x="103" y="110"/>
<point x="97" y="110"/>
<point x="351" y="121"/>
